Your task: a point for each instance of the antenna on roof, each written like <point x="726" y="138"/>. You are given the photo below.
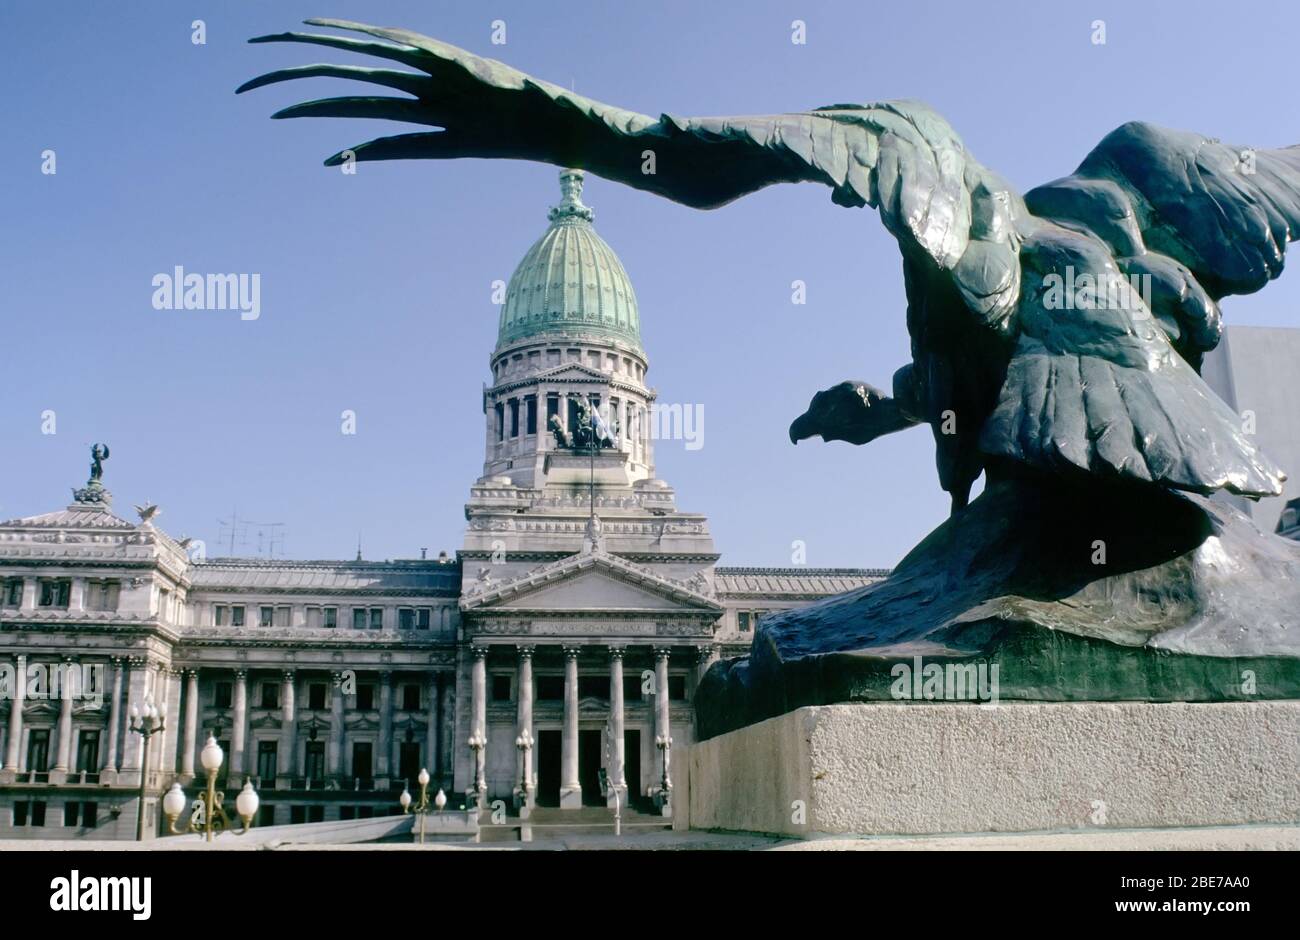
<point x="358" y="546"/>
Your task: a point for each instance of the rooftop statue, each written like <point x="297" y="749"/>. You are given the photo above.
<point x="1057" y="338"/>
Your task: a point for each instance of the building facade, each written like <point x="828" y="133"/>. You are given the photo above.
<point x="552" y="662"/>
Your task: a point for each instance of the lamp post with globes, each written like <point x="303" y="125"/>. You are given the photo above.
<point x="145" y="722"/>
<point x="477" y="742"/>
<point x="421" y="808"/>
<point x="212" y="819"/>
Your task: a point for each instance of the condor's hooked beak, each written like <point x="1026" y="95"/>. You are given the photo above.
<point x="851" y="411"/>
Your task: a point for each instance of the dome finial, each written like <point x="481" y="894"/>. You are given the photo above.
<point x="571" y="205"/>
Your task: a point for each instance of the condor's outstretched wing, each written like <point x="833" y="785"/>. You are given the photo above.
<point x="485" y="108"/>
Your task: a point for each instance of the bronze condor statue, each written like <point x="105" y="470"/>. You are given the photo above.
<point x="1057" y="338"/>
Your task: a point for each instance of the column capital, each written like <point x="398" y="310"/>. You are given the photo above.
<point x="136" y="662"/>
<point x="385" y="676"/>
<point x="480" y="652"/>
<point x="336" y="678"/>
<point x="572" y="652"/>
<point x="617" y="652"/>
<point x="662" y="652"/>
<point x="288" y="675"/>
<point x="191" y="672"/>
<point x="526" y="652"/>
<point x="704" y="653"/>
<point x="241" y="675"/>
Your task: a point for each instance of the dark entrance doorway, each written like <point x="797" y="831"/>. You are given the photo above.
<point x="590" y="759"/>
<point x="632" y="765"/>
<point x="548" y="768"/>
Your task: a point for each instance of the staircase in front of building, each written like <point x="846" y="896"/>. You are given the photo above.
<point x="553" y="823"/>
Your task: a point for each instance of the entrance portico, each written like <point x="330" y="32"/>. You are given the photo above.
<point x="554" y="663"/>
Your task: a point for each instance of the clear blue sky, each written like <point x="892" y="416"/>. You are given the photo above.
<point x="376" y="287"/>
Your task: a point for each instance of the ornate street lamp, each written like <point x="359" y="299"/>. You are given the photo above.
<point x="145" y="722"/>
<point x="525" y="744"/>
<point x="421" y="808"/>
<point x="477" y="742"/>
<point x="664" y="742"/>
<point x="208" y="817"/>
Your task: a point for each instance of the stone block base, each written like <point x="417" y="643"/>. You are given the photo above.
<point x="904" y="769"/>
<point x="570" y="797"/>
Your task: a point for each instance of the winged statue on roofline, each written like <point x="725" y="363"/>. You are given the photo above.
<point x="1056" y="337"/>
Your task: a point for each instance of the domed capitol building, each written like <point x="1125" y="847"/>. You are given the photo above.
<point x="550" y="665"/>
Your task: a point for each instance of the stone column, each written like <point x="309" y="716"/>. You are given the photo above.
<point x="334" y="753"/>
<point x="13" y="747"/>
<point x="385" y="749"/>
<point x="239" y="731"/>
<point x="63" y="757"/>
<point x="570" y="788"/>
<point x="169" y="706"/>
<point x="132" y="743"/>
<point x="189" y="744"/>
<point x="524" y="692"/>
<point x="478" y="717"/>
<point x="433" y="728"/>
<point x="617" y="759"/>
<point x="706" y="656"/>
<point x="663" y="725"/>
<point x="288" y="729"/>
<point x="447" y="725"/>
<point x="109" y="765"/>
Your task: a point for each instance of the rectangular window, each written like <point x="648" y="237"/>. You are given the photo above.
<point x="501" y="421"/>
<point x="88" y="752"/>
<point x="501" y="687"/>
<point x="13" y="593"/>
<point x="361" y="752"/>
<point x="315" y="760"/>
<point x="102" y="595"/>
<point x="408" y="762"/>
<point x="297" y="814"/>
<point x="89" y="815"/>
<point x="316" y="696"/>
<point x="530" y="421"/>
<point x="514" y="417"/>
<point x="266" y="616"/>
<point x="71" y="813"/>
<point x="422" y="618"/>
<point x="314" y="618"/>
<point x="222" y="692"/>
<point x="331" y="617"/>
<point x="270" y="695"/>
<point x="593" y="687"/>
<point x="677" y="688"/>
<point x="38" y="750"/>
<point x="631" y="688"/>
<point x="38" y="812"/>
<point x="267" y="761"/>
<point x="347" y="812"/>
<point x="376" y="618"/>
<point x="315" y="814"/>
<point x="20" y="812"/>
<point x="358" y="618"/>
<point x="405" y="618"/>
<point x="742" y="621"/>
<point x="282" y="615"/>
<point x="410" y="697"/>
<point x="550" y="688"/>
<point x="365" y="697"/>
<point x="552" y="408"/>
<point x="237" y="615"/>
<point x="220" y="615"/>
<point x="54" y="592"/>
<point x="266" y="815"/>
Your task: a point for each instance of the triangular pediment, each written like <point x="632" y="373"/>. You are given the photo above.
<point x="591" y="581"/>
<point x="572" y="370"/>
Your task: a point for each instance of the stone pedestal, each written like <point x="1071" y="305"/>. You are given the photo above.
<point x="904" y="769"/>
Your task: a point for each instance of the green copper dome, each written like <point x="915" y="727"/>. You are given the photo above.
<point x="570" y="281"/>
